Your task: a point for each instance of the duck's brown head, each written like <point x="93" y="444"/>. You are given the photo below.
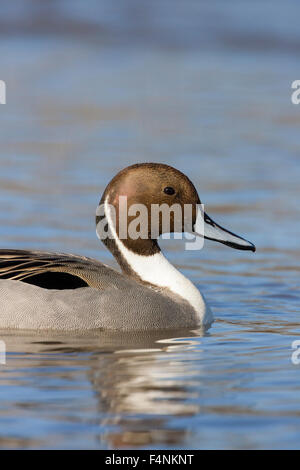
<point x="151" y="199"/>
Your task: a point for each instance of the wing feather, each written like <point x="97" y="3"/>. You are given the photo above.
<point x="29" y="266"/>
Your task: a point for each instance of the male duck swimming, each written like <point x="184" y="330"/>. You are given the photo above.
<point x="54" y="291"/>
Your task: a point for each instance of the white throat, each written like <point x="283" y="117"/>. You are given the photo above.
<point x="157" y="270"/>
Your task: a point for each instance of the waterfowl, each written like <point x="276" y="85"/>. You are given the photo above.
<point x="55" y="291"/>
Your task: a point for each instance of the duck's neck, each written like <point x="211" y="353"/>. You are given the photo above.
<point x="151" y="267"/>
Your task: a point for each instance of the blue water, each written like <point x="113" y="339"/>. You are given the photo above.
<point x="202" y="86"/>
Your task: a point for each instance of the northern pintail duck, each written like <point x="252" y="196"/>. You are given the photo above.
<point x="41" y="290"/>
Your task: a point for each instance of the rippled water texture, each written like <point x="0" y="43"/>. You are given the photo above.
<point x="204" y="87"/>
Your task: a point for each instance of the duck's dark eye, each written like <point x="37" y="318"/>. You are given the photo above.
<point x="168" y="190"/>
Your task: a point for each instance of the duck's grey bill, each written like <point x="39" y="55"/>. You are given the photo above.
<point x="215" y="232"/>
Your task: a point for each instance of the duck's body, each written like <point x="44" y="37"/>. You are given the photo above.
<point x="109" y="300"/>
<point x="40" y="290"/>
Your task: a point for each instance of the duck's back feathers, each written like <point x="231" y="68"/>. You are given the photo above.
<point x="52" y="270"/>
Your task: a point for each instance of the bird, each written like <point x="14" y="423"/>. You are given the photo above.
<point x="42" y="290"/>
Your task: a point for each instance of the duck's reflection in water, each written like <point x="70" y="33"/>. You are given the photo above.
<point x="142" y="384"/>
<point x="141" y="380"/>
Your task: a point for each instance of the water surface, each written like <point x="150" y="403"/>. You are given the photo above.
<point x="207" y="90"/>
